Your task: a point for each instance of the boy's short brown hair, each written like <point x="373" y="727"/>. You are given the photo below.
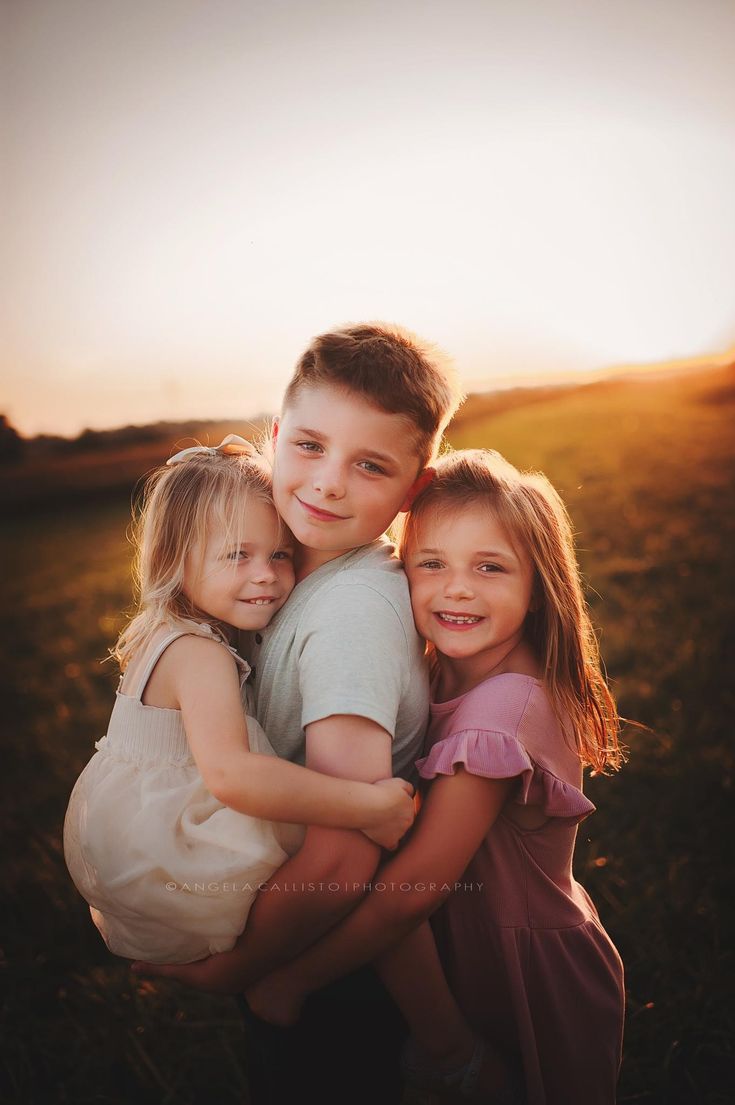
<point x="390" y="367"/>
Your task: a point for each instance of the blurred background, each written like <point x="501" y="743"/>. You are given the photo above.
<point x="191" y="191"/>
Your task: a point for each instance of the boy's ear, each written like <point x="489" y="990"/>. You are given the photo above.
<point x="424" y="478"/>
<point x="274" y="430"/>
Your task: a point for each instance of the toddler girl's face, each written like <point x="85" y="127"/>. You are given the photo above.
<point x="242" y="581"/>
<point x="471" y="587"/>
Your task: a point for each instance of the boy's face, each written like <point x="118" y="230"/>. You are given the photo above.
<point x="343" y="470"/>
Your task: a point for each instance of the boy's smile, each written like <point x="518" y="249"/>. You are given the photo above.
<point x="343" y="470"/>
<point x="321" y="515"/>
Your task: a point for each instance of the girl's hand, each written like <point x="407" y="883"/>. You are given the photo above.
<point x="396" y="814"/>
<point x="275" y="1000"/>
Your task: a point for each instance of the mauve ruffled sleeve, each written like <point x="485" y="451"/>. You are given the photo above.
<point x="496" y="755"/>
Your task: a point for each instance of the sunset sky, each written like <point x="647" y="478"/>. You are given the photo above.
<point x="193" y="189"/>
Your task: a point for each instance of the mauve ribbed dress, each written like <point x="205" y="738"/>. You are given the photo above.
<point x="526" y="955"/>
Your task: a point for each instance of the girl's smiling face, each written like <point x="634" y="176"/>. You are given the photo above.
<point x="471" y="587"/>
<point x="245" y="573"/>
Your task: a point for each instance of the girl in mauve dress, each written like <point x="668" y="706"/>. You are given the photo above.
<point x="515" y="992"/>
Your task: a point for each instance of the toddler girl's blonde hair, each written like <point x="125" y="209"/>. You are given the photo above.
<point x="198" y="489"/>
<point x="558" y="626"/>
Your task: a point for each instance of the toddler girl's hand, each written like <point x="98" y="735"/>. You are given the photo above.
<point x="396" y="814"/>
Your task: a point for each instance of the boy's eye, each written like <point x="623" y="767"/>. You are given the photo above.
<point x="309" y="446"/>
<point x="370" y="466"/>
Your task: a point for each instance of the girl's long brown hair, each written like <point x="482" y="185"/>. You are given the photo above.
<point x="558" y="627"/>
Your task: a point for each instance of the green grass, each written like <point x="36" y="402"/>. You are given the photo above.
<point x="648" y="472"/>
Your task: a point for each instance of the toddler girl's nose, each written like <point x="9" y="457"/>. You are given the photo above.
<point x="265" y="572"/>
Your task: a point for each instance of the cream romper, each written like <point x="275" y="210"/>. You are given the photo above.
<point x="169" y="872"/>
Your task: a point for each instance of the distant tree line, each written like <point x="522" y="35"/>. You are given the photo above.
<point x="11" y="443"/>
<point x="15" y="447"/>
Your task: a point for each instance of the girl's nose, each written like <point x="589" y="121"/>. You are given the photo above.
<point x="458" y="587"/>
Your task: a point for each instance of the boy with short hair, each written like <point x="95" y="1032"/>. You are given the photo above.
<point x="341" y="679"/>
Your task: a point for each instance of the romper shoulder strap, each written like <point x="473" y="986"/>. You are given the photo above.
<point x="154" y="655"/>
<point x="195" y="629"/>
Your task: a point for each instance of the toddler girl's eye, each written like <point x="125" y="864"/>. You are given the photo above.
<point x="431" y="564"/>
<point x="237" y="554"/>
<point x="282" y="554"/>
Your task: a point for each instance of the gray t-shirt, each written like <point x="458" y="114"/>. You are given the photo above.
<point x="345" y="643"/>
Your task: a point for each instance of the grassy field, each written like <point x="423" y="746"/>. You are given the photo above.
<point x="648" y="471"/>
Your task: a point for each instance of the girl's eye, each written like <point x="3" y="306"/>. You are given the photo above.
<point x="489" y="568"/>
<point x="374" y="469"/>
<point x="237" y="554"/>
<point x="282" y="554"/>
<point x="431" y="564"/>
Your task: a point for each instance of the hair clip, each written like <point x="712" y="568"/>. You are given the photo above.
<point x="230" y="446"/>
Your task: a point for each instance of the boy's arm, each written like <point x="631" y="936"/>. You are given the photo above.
<point x="354" y="666"/>
<point x="458" y="812"/>
<point x="283" y="923"/>
<point x="292" y="912"/>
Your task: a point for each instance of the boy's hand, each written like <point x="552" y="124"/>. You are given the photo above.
<point x="214" y="975"/>
<point x="397" y="815"/>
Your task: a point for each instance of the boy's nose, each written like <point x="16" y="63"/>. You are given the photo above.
<point x="329" y="481"/>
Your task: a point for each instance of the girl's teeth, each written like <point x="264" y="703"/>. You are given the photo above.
<point x="457" y="619"/>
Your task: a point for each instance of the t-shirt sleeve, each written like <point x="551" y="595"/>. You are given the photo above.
<point x="353" y="656"/>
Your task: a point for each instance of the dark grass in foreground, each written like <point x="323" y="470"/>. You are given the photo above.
<point x="648" y="471"/>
